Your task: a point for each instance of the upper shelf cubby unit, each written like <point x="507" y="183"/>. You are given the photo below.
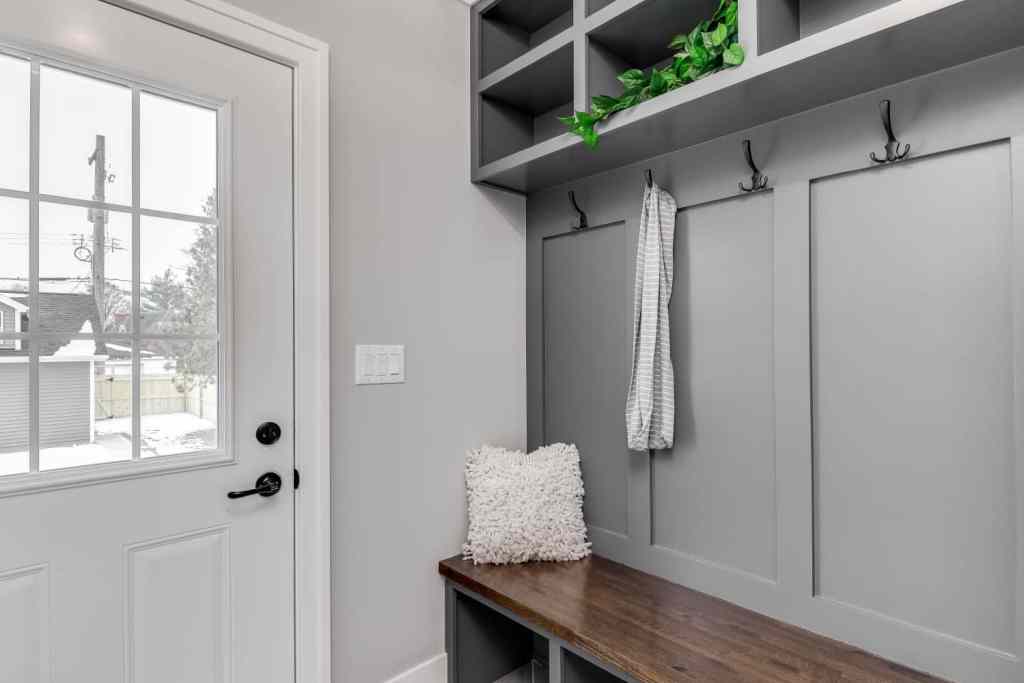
<point x="511" y="28"/>
<point x="520" y="109"/>
<point x="636" y="35"/>
<point x="782" y="22"/>
<point x="800" y="54"/>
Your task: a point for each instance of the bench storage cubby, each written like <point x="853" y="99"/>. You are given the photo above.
<point x="597" y="621"/>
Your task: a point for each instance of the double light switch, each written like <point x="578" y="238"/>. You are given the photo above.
<point x="376" y="364"/>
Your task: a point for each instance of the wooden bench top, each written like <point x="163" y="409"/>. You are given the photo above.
<point x="660" y="632"/>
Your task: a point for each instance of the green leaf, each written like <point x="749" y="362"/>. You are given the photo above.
<point x="695" y="36"/>
<point x="630" y="101"/>
<point x="680" y="42"/>
<point x="590" y="138"/>
<point x="732" y="15"/>
<point x="633" y="78"/>
<point x="734" y="55"/>
<point x="699" y="55"/>
<point x="658" y="84"/>
<point x="719" y="35"/>
<point x="602" y="105"/>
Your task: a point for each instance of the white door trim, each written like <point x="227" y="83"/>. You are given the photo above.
<point x="309" y="58"/>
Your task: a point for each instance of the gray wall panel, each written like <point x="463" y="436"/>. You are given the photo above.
<point x="713" y="495"/>
<point x="913" y="393"/>
<point x="587" y="340"/>
<point x="891" y="616"/>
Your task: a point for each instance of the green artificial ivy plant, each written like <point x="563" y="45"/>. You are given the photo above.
<point x="711" y="46"/>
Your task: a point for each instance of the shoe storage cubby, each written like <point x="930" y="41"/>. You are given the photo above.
<point x="782" y="22"/>
<point x="575" y="669"/>
<point x="491" y="648"/>
<point x="511" y="28"/>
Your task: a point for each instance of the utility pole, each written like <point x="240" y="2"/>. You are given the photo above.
<point x="98" y="217"/>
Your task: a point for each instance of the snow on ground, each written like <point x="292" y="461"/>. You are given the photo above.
<point x="107" y="449"/>
<point x="170" y="434"/>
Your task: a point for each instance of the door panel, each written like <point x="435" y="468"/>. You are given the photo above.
<point x="913" y="397"/>
<point x="178" y="609"/>
<point x="24" y="612"/>
<point x="150" y="574"/>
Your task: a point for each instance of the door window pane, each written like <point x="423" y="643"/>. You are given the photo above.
<point x="85" y="270"/>
<point x="14" y="254"/>
<point x="85" y="146"/>
<point x="178" y="272"/>
<point x="179" y="397"/>
<point x="84" y="404"/>
<point x="14" y="407"/>
<point x="100" y="269"/>
<point x="179" y="156"/>
<point x="15" y="75"/>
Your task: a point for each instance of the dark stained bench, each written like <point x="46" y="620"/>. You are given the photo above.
<point x="598" y="621"/>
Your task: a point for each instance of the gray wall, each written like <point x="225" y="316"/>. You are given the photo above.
<point x="849" y="356"/>
<point x="422" y="258"/>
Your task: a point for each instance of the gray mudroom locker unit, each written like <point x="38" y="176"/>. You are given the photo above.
<point x="848" y="343"/>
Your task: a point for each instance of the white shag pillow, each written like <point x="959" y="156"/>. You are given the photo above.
<point x="525" y="507"/>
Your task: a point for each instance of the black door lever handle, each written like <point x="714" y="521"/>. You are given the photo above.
<point x="267" y="485"/>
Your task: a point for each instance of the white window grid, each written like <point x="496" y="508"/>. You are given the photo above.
<point x="31" y="337"/>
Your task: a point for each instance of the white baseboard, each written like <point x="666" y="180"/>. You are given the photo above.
<point x="434" y="670"/>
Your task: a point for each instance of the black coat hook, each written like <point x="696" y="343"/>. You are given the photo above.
<point x="583" y="216"/>
<point x="894" y="149"/>
<point x="758" y="180"/>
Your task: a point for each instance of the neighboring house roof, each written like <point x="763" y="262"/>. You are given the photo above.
<point x="13" y="304"/>
<point x="61" y="316"/>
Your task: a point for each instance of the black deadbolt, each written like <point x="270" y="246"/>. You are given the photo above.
<point x="268" y="433"/>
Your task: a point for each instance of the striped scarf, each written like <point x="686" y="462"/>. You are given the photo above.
<point x="650" y="406"/>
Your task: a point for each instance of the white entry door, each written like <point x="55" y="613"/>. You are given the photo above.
<point x="146" y="332"/>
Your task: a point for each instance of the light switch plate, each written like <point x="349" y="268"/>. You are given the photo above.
<point x="379" y="364"/>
